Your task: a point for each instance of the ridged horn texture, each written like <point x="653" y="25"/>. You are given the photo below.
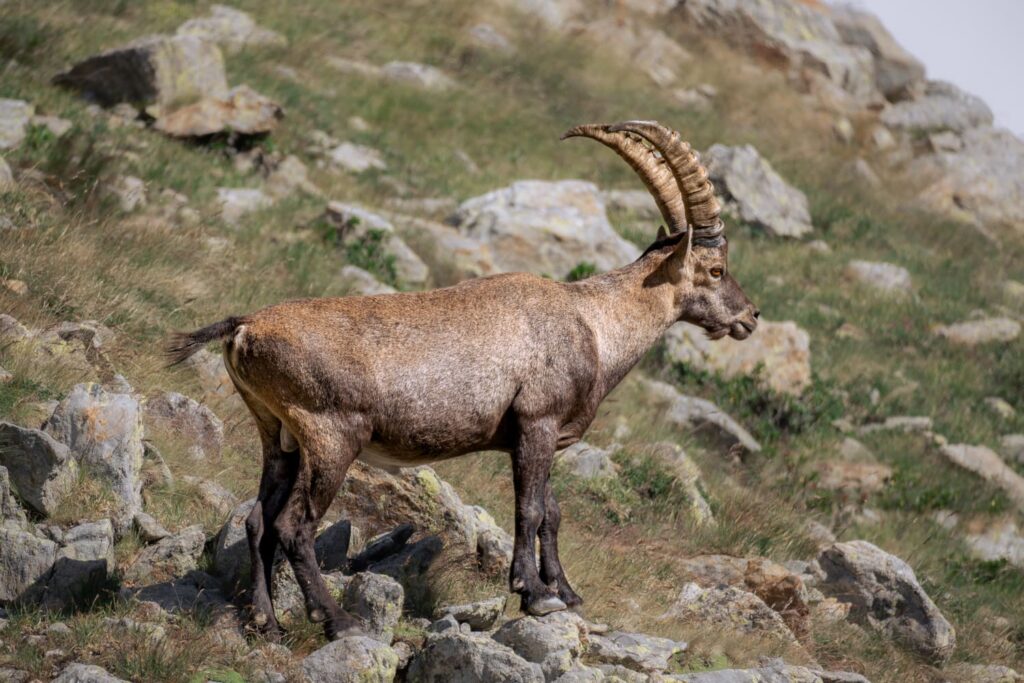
<point x="659" y="180"/>
<point x="698" y="194"/>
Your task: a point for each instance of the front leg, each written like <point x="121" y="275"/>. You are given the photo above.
<point x="531" y="464"/>
<point x="551" y="571"/>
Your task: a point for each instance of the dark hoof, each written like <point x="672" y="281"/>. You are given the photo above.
<point x="267" y="628"/>
<point x="545" y="605"/>
<point x="569" y="597"/>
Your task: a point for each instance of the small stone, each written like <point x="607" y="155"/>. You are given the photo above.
<point x="480" y="615"/>
<point x="587" y="462"/>
<point x="864" y="171"/>
<point x="14" y="119"/>
<point x="819" y="247"/>
<point x="356" y="158"/>
<point x="41" y="468"/>
<point x="358" y="281"/>
<point x="213" y="494"/>
<point x="16" y="287"/>
<point x="984" y="462"/>
<point x="129" y="191"/>
<point x="486" y="36"/>
<point x="984" y="331"/>
<point x="57" y="126"/>
<point x="636" y="651"/>
<point x="355" y="659"/>
<point x="1012" y="447"/>
<point x="377" y="600"/>
<point x="882" y="138"/>
<point x="419" y="75"/>
<point x="148" y="528"/>
<point x="455" y="657"/>
<point x="899" y="423"/>
<point x="236" y="202"/>
<point x="86" y="673"/>
<point x="445" y="623"/>
<point x="692" y="412"/>
<point x="172" y="556"/>
<point x="843" y="130"/>
<point x="1001" y="407"/>
<point x="883" y="277"/>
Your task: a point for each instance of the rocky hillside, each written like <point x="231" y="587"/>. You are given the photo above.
<point x="838" y="498"/>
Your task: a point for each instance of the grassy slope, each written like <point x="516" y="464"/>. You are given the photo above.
<point x="85" y="260"/>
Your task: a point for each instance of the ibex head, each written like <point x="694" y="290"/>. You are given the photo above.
<point x="697" y="261"/>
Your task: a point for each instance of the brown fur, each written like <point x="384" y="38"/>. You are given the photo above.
<point x="513" y="363"/>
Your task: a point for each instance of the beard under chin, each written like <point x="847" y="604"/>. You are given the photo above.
<point x="717" y="333"/>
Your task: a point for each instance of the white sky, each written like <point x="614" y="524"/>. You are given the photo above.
<point x="975" y="44"/>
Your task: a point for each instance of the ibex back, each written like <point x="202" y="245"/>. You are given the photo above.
<point x="511" y="363"/>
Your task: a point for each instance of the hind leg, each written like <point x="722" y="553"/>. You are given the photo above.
<point x="551" y="571"/>
<point x="328" y="447"/>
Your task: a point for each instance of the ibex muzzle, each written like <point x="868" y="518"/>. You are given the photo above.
<point x="513" y="363"/>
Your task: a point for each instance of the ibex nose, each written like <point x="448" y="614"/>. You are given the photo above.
<point x="757" y="313"/>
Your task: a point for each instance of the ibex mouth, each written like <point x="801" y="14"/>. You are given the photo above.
<point x="741" y="329"/>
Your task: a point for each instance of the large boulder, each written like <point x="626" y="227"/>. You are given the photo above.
<point x="168" y="558"/>
<point x="453" y="256"/>
<point x="454" y="657"/>
<point x="942" y="107"/>
<point x="377" y="600"/>
<point x="157" y="70"/>
<point x="982" y="331"/>
<point x="355" y="224"/>
<point x="189" y="420"/>
<point x="758" y="196"/>
<point x="41" y="468"/>
<point x="797" y="32"/>
<point x="987" y="464"/>
<point x="240" y="111"/>
<point x="635" y="651"/>
<point x="982" y="180"/>
<point x="232" y="29"/>
<point x="545" y="227"/>
<point x="25" y="562"/>
<point x="728" y="607"/>
<point x="354" y="659"/>
<point x="884" y="594"/>
<point x="15" y="116"/>
<point x="690" y="412"/>
<point x="587" y="462"/>
<point x="83" y="562"/>
<point x="554" y="641"/>
<point x="103" y="430"/>
<point x="779" y="351"/>
<point x="897" y="72"/>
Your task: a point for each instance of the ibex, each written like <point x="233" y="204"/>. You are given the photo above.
<point x="513" y="362"/>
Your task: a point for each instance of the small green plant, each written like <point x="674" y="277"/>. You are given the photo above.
<point x="368" y="252"/>
<point x="581" y="271"/>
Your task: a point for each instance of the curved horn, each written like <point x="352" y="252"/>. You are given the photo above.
<point x="658" y="179"/>
<point x="702" y="209"/>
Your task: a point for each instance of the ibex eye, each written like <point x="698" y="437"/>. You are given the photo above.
<point x="716" y="272"/>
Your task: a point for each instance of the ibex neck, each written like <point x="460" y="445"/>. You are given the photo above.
<point x="626" y="315"/>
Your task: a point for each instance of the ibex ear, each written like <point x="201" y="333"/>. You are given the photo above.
<point x="662" y="233"/>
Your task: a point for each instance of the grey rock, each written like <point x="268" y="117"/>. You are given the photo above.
<point x="355" y="659"/>
<point x="983" y="331"/>
<point x="9" y="675"/>
<point x="1000" y="407"/>
<point x="231" y="29"/>
<point x="331" y="546"/>
<point x="453" y="256"/>
<point x="377" y="600"/>
<point x="7" y="182"/>
<point x="554" y="641"/>
<point x="104" y="432"/>
<point x="213" y="494"/>
<point x="759" y="196"/>
<point x="170" y="557"/>
<point x="775" y="671"/>
<point x="1000" y="541"/>
<point x="236" y="202"/>
<point x="587" y="462"/>
<point x="83" y="562"/>
<point x="148" y="528"/>
<point x="582" y="674"/>
<point x="699" y="414"/>
<point x="545" y="227"/>
<point x="486" y="36"/>
<point x="356" y="158"/>
<point x="727" y="606"/>
<point x="493" y="544"/>
<point x="1012" y="447"/>
<point x="288" y="177"/>
<point x="41" y="468"/>
<point x="25" y="562"/>
<point x="231" y="560"/>
<point x="418" y="75"/>
<point x="213" y="376"/>
<point x="637" y="202"/>
<point x="241" y="112"/>
<point x="128" y="191"/>
<point x="885" y="595"/>
<point x="10" y="509"/>
<point x="803" y="35"/>
<point x="779" y="354"/>
<point x="480" y="615"/>
<point x="453" y="657"/>
<point x="980" y="673"/>
<point x="189" y="420"/>
<point x="897" y="72"/>
<point x="942" y="107"/>
<point x="358" y="281"/>
<point x="886" y="278"/>
<point x="14" y="119"/>
<point x="57" y="126"/>
<point x="444" y="623"/>
<point x="635" y="651"/>
<point x="355" y="223"/>
<point x="160" y="70"/>
<point x="987" y="464"/>
<point x="86" y="673"/>
<point x="898" y="423"/>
